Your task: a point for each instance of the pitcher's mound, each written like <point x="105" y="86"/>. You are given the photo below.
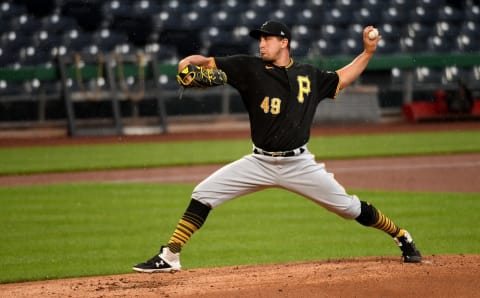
<point x="437" y="276"/>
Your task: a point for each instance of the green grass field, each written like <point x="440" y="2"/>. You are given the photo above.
<point x="66" y="230"/>
<point x="139" y="155"/>
<point x="94" y="229"/>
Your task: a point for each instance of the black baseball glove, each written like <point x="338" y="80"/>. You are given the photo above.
<point x="193" y="76"/>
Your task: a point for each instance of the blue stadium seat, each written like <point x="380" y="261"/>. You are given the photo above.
<point x="8" y="58"/>
<point x="40" y="8"/>
<point x="424" y="15"/>
<point x="467" y="44"/>
<point x="106" y="40"/>
<point x="58" y="24"/>
<point x="332" y="33"/>
<point x="89" y="14"/>
<point x="308" y="17"/>
<point x="300" y="49"/>
<point x="204" y="7"/>
<point x="338" y="17"/>
<point x="349" y="5"/>
<point x="351" y="46"/>
<point x="10" y="10"/>
<point x="283" y="16"/>
<point x="472" y="13"/>
<point x="25" y="24"/>
<point x="114" y="8"/>
<point x="233" y="6"/>
<point x="252" y="18"/>
<point x="76" y="39"/>
<point x="319" y="5"/>
<point x="412" y="45"/>
<point x="324" y="47"/>
<point x="388" y="46"/>
<point x="163" y="53"/>
<point x="225" y="19"/>
<point x="367" y="16"/>
<point x="146" y="8"/>
<point x="291" y="6"/>
<point x="426" y="75"/>
<point x="437" y="44"/>
<point x="262" y="7"/>
<point x="33" y="56"/>
<point x="395" y="15"/>
<point x="450" y="14"/>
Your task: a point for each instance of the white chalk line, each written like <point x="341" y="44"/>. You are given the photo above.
<point x="407" y="167"/>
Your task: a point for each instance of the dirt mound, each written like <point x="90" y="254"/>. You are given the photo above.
<point x="437" y="276"/>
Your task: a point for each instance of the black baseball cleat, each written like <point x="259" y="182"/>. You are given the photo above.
<point x="410" y="253"/>
<point x="164" y="261"/>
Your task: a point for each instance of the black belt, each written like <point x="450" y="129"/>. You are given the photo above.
<point x="294" y="152"/>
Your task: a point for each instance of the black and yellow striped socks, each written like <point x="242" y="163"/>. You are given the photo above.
<point x="372" y="217"/>
<point x="191" y="221"/>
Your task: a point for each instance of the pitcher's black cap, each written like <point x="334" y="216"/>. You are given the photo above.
<point x="272" y="28"/>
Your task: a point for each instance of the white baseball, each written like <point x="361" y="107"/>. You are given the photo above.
<point x="373" y="34"/>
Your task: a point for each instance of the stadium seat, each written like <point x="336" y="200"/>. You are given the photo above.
<point x="471" y="29"/>
<point x="33" y="56"/>
<point x="233" y="6"/>
<point x="338" y="17"/>
<point x="367" y="16"/>
<point x="106" y="40"/>
<point x="425" y="75"/>
<point x="419" y="31"/>
<point x="58" y="24"/>
<point x="162" y="53"/>
<point x="350" y="5"/>
<point x="300" y="49"/>
<point x="412" y="44"/>
<point x="204" y="7"/>
<point x="262" y="7"/>
<point x="318" y="6"/>
<point x="8" y="58"/>
<point x="351" y="46"/>
<point x="292" y="7"/>
<point x="40" y="8"/>
<point x="332" y="33"/>
<point x="25" y="24"/>
<point x="424" y="15"/>
<point x="450" y="14"/>
<point x="390" y="31"/>
<point x="375" y="5"/>
<point x="252" y="18"/>
<point x="453" y="74"/>
<point x="15" y="40"/>
<point x="225" y="18"/>
<point x="88" y="14"/>
<point x="116" y="8"/>
<point x="146" y="8"/>
<point x="472" y="13"/>
<point x="467" y="43"/>
<point x="194" y="19"/>
<point x="166" y="20"/>
<point x="10" y="10"/>
<point x="303" y="33"/>
<point x="283" y="16"/>
<point x="437" y="44"/>
<point x="395" y="15"/>
<point x="76" y="39"/>
<point x="388" y="45"/>
<point x="446" y="30"/>
<point x="324" y="47"/>
<point x="308" y="17"/>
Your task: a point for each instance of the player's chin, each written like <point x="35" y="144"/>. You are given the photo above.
<point x="265" y="57"/>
